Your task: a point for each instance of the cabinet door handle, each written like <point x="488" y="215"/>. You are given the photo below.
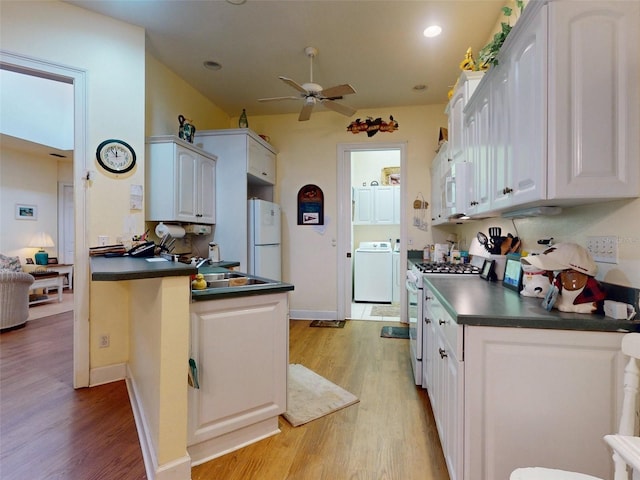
<point x="264" y="173"/>
<point x="443" y="353"/>
<point x="198" y="214"/>
<point x="441" y="322"/>
<point x="507" y="190"/>
<point x="427" y="320"/>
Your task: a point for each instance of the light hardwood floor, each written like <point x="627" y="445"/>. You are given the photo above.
<point x="48" y="430"/>
<point x="390" y="434"/>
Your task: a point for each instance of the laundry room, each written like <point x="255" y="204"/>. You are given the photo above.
<point x="375" y="182"/>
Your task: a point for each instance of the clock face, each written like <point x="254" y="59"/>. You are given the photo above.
<point x="116" y="156"/>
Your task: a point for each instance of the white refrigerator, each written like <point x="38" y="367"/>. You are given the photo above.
<point x="264" y="239"/>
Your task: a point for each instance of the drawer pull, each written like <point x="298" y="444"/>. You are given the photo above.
<point x="443" y="353"/>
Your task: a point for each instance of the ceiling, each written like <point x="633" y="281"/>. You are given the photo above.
<point x="376" y="46"/>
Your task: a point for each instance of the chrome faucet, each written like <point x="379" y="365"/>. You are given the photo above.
<point x="201" y="261"/>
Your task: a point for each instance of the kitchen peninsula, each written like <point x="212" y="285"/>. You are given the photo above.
<point x="180" y="425"/>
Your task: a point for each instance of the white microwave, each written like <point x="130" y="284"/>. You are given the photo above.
<point x="457" y="189"/>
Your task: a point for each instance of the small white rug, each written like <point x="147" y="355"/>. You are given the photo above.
<point x="311" y="396"/>
<point x="52" y="307"/>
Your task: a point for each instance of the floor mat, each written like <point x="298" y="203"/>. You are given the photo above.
<point x="328" y="323"/>
<point x="311" y="396"/>
<point x="385" y="311"/>
<point x="395" y="332"/>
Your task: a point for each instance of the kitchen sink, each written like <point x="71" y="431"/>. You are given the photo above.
<point x="231" y="279"/>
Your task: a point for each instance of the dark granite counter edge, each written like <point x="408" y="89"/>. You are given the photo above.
<point x="128" y="268"/>
<point x="539" y="317"/>
<point x="242" y="291"/>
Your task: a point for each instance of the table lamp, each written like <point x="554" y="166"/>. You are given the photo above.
<point x="41" y="240"/>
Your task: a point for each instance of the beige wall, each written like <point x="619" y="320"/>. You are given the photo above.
<point x="32" y="179"/>
<point x="308" y="154"/>
<point x="618" y="218"/>
<point x="167" y="96"/>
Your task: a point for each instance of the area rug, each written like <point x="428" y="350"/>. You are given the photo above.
<point x="328" y="323"/>
<point x="385" y="311"/>
<point x="47" y="309"/>
<point x="395" y="332"/>
<point x="311" y="396"/>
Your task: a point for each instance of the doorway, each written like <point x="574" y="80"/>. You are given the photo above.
<point x="347" y="241"/>
<point x="77" y="78"/>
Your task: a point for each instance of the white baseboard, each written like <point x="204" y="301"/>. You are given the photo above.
<point x="179" y="469"/>
<point x="313" y="315"/>
<point x="108" y="374"/>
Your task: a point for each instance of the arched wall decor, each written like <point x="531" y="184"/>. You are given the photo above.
<point x="310" y="205"/>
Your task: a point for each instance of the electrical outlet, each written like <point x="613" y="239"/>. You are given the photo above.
<point x="603" y="249"/>
<point x="104" y="341"/>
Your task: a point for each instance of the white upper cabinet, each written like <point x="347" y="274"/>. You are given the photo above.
<point x="467" y="83"/>
<point x="378" y="205"/>
<point x="593" y="98"/>
<point x="180" y="182"/>
<point x="562" y="107"/>
<point x="261" y="163"/>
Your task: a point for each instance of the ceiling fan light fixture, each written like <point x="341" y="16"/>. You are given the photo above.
<point x="211" y="65"/>
<point x="432" y="31"/>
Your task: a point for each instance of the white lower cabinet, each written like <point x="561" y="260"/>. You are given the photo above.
<point x="536" y="397"/>
<point x="504" y="398"/>
<point x="240" y="346"/>
<point x="443" y="375"/>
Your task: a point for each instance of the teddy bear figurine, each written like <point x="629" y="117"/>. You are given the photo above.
<point x="574" y="269"/>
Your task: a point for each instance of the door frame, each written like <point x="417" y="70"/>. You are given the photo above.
<point x="345" y="229"/>
<point x="76" y="77"/>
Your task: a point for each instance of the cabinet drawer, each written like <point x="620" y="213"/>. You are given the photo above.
<point x="445" y="325"/>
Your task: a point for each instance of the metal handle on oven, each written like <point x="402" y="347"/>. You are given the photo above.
<point x="443" y="353"/>
<point x="411" y="287"/>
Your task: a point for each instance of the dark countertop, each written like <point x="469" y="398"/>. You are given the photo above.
<point x="109" y="269"/>
<point x="474" y="301"/>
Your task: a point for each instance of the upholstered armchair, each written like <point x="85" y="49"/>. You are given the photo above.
<point x="14" y="298"/>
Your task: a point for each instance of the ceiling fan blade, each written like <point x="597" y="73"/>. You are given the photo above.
<point x="339" y="107"/>
<point x="271" y="99"/>
<point x="338" y="91"/>
<point x="305" y="113"/>
<point x="293" y="84"/>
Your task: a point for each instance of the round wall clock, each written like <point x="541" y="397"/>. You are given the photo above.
<point x="116" y="156"/>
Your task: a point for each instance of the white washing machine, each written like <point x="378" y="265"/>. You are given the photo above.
<point x="373" y="273"/>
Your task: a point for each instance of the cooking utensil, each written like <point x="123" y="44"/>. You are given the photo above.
<point x="495" y="231"/>
<point x="505" y="245"/>
<point x="483" y="240"/>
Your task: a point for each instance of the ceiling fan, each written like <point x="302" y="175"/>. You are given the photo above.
<point x="313" y="93"/>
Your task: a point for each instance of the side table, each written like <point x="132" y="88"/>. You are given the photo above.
<point x="53" y="281"/>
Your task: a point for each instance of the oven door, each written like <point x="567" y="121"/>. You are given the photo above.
<point x="414" y="314"/>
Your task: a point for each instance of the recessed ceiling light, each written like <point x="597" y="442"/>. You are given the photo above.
<point x="432" y="31"/>
<point x="211" y="65"/>
<point x="421" y="87"/>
